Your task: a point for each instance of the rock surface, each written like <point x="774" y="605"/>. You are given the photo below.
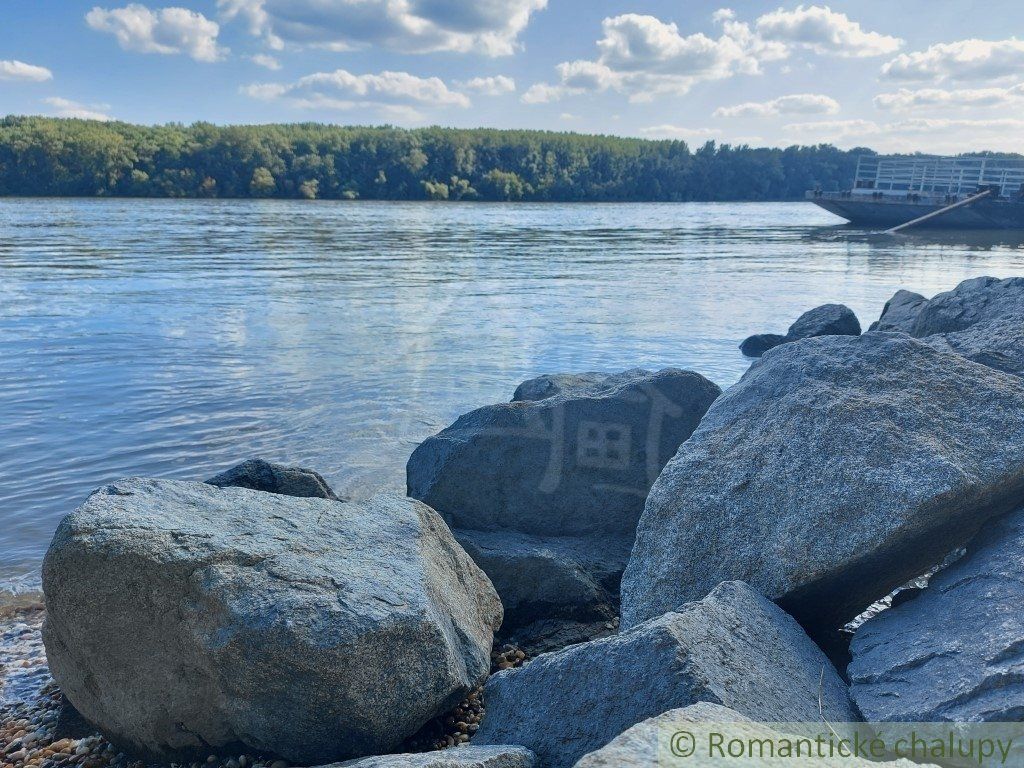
<point x="262" y="475"/>
<point x="955" y="651"/>
<point x="577" y="463"/>
<point x="826" y="320"/>
<point x="972" y="301"/>
<point x="184" y="619"/>
<point x="550" y="577"/>
<point x="837" y="469"/>
<point x="458" y="757"/>
<point x="998" y="344"/>
<point x="900" y="312"/>
<point x="733" y="647"/>
<point x="759" y="343"/>
<point x="590" y="382"/>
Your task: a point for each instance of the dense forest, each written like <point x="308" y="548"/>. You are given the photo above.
<point x="60" y="157"/>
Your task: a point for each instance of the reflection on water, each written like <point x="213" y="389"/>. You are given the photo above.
<point x="173" y="338"/>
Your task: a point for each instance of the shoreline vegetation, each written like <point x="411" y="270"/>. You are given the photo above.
<point x="56" y="157"/>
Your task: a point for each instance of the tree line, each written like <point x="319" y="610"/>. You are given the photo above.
<point x="67" y="157"/>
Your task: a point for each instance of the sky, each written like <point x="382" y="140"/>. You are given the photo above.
<point x="894" y="75"/>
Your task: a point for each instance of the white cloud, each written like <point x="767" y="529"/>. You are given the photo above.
<point x="946" y="135"/>
<point x="397" y="95"/>
<point x="491" y="27"/>
<point x="542" y="93"/>
<point x="489" y="86"/>
<point x="12" y="69"/>
<point x="723" y="14"/>
<point x="265" y="60"/>
<point x="905" y="99"/>
<point x="961" y="60"/>
<point x="165" y="30"/>
<point x="824" y="31"/>
<point x="797" y="104"/>
<point x="669" y="131"/>
<point x="69" y="108"/>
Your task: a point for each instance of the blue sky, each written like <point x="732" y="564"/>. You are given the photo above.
<point x="913" y="74"/>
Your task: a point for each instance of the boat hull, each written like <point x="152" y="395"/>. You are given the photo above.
<point x="984" y="214"/>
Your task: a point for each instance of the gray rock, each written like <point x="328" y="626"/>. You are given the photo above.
<point x="955" y="651"/>
<point x="262" y="475"/>
<point x="184" y="618"/>
<point x="900" y="312"/>
<point x="759" y="343"/>
<point x="649" y="744"/>
<point x="835" y="470"/>
<point x="733" y="647"/>
<point x="588" y="383"/>
<point x="996" y="343"/>
<point x="826" y="320"/>
<point x="568" y="465"/>
<point x="458" y="757"/>
<point x="973" y="301"/>
<point x="539" y="577"/>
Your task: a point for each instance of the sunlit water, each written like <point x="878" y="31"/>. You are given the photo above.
<point x="174" y="338"/>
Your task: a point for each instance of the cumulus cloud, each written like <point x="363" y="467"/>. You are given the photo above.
<point x="669" y="131"/>
<point x="265" y="60"/>
<point x="393" y="94"/>
<point x="491" y="27"/>
<point x="962" y="60"/>
<point x="12" y="69"/>
<point x="165" y="30"/>
<point x="797" y="104"/>
<point x="489" y="86"/>
<point x="825" y="31"/>
<point x="947" y="135"/>
<point x="68" y="108"/>
<point x="924" y="98"/>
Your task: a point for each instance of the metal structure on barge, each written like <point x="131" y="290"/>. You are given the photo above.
<point x="962" y="192"/>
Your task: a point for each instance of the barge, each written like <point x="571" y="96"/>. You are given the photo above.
<point x="962" y="192"/>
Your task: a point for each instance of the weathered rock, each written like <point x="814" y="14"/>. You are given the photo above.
<point x="997" y="343"/>
<point x="826" y="320"/>
<point x="568" y="465"/>
<point x="458" y="757"/>
<point x="184" y="618"/>
<point x="590" y="382"/>
<point x="733" y="647"/>
<point x="759" y="343"/>
<point x="262" y="475"/>
<point x="955" y="651"/>
<point x="650" y="744"/>
<point x="837" y="469"/>
<point x="551" y="576"/>
<point x="900" y="312"/>
<point x="972" y="301"/>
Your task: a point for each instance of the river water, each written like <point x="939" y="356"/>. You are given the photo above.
<point x="174" y="338"/>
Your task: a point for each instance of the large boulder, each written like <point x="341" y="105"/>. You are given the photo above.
<point x="543" y="577"/>
<point x="834" y="471"/>
<point x="572" y="464"/>
<point x="996" y="343"/>
<point x="184" y="618"/>
<point x="955" y="651"/>
<point x="971" y="302"/>
<point x="759" y="343"/>
<point x="900" y="312"/>
<point x="550" y="384"/>
<point x="262" y="475"/>
<point x="733" y="647"/>
<point x="459" y="757"/>
<point x="826" y="320"/>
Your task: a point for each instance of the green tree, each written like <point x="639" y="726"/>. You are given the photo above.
<point x="263" y="183"/>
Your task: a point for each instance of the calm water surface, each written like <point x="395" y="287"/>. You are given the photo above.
<point x="174" y="338"/>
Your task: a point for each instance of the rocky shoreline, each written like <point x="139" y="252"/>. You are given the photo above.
<point x="569" y="570"/>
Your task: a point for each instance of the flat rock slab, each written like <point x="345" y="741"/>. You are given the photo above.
<point x="184" y="619"/>
<point x="837" y="469"/>
<point x="649" y="744"/>
<point x="900" y="312"/>
<point x="973" y="301"/>
<point x="577" y="463"/>
<point x="456" y="757"/>
<point x="955" y="651"/>
<point x="262" y="475"/>
<point x="734" y="647"/>
<point x="543" y="577"/>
